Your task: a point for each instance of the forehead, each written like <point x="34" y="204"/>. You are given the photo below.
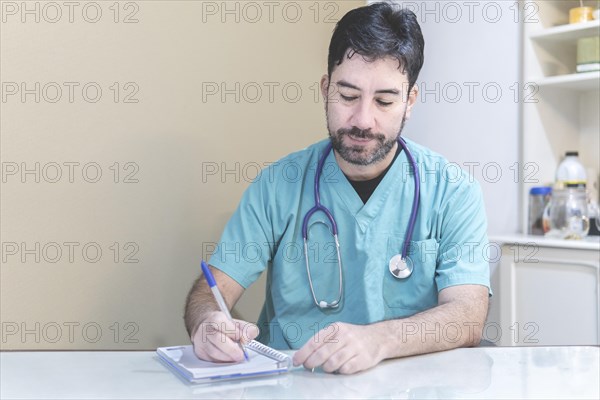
<point x="364" y="72"/>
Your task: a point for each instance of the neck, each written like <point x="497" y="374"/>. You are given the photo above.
<point x="365" y="172"/>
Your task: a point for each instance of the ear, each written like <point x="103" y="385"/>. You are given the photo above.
<point x="325" y="87"/>
<point x="412" y="100"/>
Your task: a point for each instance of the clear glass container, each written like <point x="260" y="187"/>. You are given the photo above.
<point x="567" y="215"/>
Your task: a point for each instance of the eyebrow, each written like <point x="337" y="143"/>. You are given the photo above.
<point x="343" y="83"/>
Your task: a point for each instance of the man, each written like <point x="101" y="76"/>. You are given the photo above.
<point x="350" y="319"/>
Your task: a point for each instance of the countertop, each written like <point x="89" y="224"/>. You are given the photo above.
<point x="484" y="372"/>
<point x="587" y="243"/>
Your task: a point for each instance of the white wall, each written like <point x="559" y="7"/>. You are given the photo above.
<point x="460" y="112"/>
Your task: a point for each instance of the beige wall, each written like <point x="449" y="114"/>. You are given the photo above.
<point x="156" y="136"/>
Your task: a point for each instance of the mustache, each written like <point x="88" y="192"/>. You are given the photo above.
<point x="360" y="133"/>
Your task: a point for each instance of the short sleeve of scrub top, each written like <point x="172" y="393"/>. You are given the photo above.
<point x="247" y="243"/>
<point x="448" y="247"/>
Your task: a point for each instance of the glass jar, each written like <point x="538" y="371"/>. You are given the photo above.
<point x="538" y="200"/>
<point x="567" y="214"/>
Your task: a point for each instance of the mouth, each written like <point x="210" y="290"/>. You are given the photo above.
<point x="359" y="140"/>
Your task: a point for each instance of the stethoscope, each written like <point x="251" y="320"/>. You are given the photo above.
<point x="400" y="265"/>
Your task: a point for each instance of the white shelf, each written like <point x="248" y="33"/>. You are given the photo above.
<point x="564" y="116"/>
<point x="566" y="33"/>
<point x="585" y="81"/>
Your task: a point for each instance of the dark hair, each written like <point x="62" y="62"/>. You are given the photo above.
<point x="377" y="31"/>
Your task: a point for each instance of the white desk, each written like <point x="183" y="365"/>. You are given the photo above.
<point x="484" y="372"/>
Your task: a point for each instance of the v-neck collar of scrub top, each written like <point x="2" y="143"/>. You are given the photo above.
<point x="364" y="213"/>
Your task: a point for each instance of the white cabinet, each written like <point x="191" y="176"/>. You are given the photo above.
<point x="549" y="292"/>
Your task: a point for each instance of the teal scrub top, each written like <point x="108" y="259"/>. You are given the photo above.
<point x="449" y="244"/>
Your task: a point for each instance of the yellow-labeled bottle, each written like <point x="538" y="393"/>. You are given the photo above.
<point x="570" y="172"/>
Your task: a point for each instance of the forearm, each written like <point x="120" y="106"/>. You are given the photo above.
<point x="452" y="324"/>
<point x="200" y="301"/>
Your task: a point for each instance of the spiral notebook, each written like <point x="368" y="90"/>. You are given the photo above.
<point x="263" y="360"/>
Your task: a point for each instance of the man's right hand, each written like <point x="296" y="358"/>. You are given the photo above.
<point x="217" y="338"/>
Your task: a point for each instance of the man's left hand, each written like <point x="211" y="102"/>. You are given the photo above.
<point x="342" y="348"/>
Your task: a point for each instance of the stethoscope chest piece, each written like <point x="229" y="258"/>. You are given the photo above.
<point x="401" y="268"/>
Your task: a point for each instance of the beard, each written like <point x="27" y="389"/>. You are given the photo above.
<point x="361" y="155"/>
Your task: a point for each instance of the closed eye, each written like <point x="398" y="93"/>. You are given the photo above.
<point x="384" y="103"/>
<point x="348" y="98"/>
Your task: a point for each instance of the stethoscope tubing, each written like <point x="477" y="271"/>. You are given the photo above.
<point x="319" y="207"/>
<point x="416" y="197"/>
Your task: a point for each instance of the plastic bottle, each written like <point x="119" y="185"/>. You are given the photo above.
<point x="570" y="172"/>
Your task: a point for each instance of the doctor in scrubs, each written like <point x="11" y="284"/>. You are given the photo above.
<point x="346" y="314"/>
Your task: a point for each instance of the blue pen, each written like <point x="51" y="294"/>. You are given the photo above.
<point x="210" y="279"/>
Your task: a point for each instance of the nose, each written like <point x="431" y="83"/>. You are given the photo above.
<point x="363" y="116"/>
